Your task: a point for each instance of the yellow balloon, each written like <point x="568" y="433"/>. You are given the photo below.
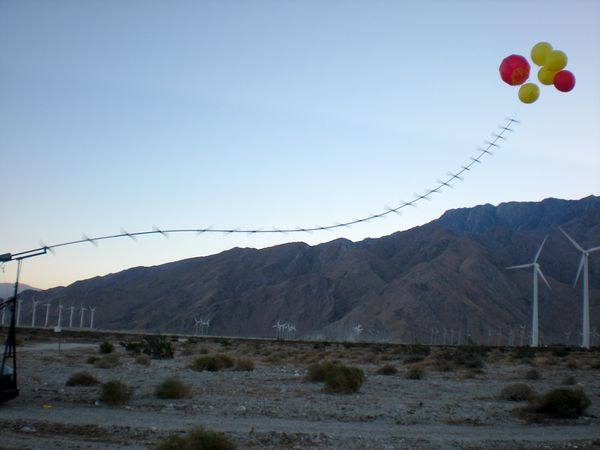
<point x="529" y="93"/>
<point x="546" y="76"/>
<point x="555" y="61"/>
<point x="539" y="52"/>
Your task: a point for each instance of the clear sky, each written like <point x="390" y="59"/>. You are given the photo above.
<point x="182" y="114"/>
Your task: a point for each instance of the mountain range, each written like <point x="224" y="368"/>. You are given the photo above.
<point x="448" y="275"/>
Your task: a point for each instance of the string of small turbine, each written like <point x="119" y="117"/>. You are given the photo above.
<point x="486" y="149"/>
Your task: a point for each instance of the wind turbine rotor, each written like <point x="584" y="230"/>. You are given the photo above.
<point x="522" y="266"/>
<point x="537" y="255"/>
<point x="539" y="271"/>
<point x="575" y="244"/>
<point x="579" y="269"/>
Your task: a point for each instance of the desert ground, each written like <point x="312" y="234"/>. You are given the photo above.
<point x="454" y="402"/>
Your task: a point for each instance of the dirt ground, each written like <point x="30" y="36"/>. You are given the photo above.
<point x="273" y="407"/>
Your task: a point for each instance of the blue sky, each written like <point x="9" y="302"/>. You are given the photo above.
<point x="269" y="114"/>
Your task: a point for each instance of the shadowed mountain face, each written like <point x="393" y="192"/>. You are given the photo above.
<point x="447" y="275"/>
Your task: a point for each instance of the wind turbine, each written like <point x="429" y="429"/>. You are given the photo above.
<point x="19" y="311"/>
<point x="92" y="310"/>
<point x="583" y="265"/>
<point x="72" y="308"/>
<point x="279" y="327"/>
<point x="197" y="323"/>
<point x="47" y="314"/>
<point x="536" y="270"/>
<point x="60" y="310"/>
<point x="83" y="308"/>
<point x="35" y="302"/>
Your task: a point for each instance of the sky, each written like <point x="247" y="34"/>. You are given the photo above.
<point x="268" y="114"/>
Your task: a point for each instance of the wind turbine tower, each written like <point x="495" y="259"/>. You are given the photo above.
<point x="72" y="309"/>
<point x="60" y="310"/>
<point x="47" y="315"/>
<point x="535" y="339"/>
<point x="19" y="311"/>
<point x="583" y="265"/>
<point x="35" y="302"/>
<point x="92" y="310"/>
<point x="83" y="308"/>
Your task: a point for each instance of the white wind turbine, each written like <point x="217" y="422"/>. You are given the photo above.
<point x="583" y="265"/>
<point x="72" y="308"/>
<point x="92" y="310"/>
<point x="279" y="327"/>
<point x="35" y="303"/>
<point x="197" y="323"/>
<point x="47" y="314"/>
<point x="536" y="270"/>
<point x="83" y="308"/>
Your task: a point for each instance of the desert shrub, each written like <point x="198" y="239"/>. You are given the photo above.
<point x="532" y="374"/>
<point x="82" y="379"/>
<point x="387" y="369"/>
<point x="415" y="372"/>
<point x="317" y="372"/>
<point x="115" y="393"/>
<point x="516" y="392"/>
<point x="106" y="347"/>
<point x="561" y="403"/>
<point x="197" y="439"/>
<point x="413" y="359"/>
<point x="523" y="352"/>
<point x="109" y="361"/>
<point x="157" y="347"/>
<point x="572" y="364"/>
<point x="91" y="359"/>
<point x="172" y="387"/>
<point x="569" y="380"/>
<point x="143" y="360"/>
<point x="244" y="364"/>
<point x="212" y="363"/>
<point x="343" y="380"/>
<point x="469" y="357"/>
<point x="418" y="349"/>
<point x="203" y="350"/>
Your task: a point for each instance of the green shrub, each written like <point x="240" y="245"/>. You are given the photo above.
<point x="82" y="379"/>
<point x="532" y="374"/>
<point x="343" y="380"/>
<point x="157" y="347"/>
<point x="569" y="380"/>
<point x="115" y="393"/>
<point x="197" y="439"/>
<point x="212" y="363"/>
<point x="172" y="387"/>
<point x="244" y="364"/>
<point x="516" y="392"/>
<point x="91" y="359"/>
<point x="106" y="347"/>
<point x="387" y="369"/>
<point x="143" y="360"/>
<point x="109" y="361"/>
<point x="318" y="371"/>
<point x="562" y="403"/>
<point x="415" y="372"/>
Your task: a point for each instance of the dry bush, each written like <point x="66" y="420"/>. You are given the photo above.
<point x="516" y="392"/>
<point x="212" y="363"/>
<point x="532" y="374"/>
<point x="572" y="364"/>
<point x="143" y="360"/>
<point x="561" y="403"/>
<point x="341" y="379"/>
<point x="82" y="379"/>
<point x="197" y="439"/>
<point x="172" y="387"/>
<point x="387" y="369"/>
<point x="569" y="380"/>
<point x="106" y="347"/>
<point x="412" y="359"/>
<point x="244" y="364"/>
<point x="415" y="372"/>
<point x="109" y="361"/>
<point x="91" y="359"/>
<point x="317" y="372"/>
<point x="115" y="393"/>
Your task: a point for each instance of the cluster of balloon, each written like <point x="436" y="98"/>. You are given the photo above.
<point x="514" y="70"/>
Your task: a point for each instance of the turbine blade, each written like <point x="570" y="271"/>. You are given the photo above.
<point x="577" y="246"/>
<point x="593" y="249"/>
<point x="522" y="266"/>
<point x="537" y="255"/>
<point x="579" y="269"/>
<point x="543" y="277"/>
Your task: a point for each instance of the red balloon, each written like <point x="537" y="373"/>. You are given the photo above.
<point x="514" y="70"/>
<point x="564" y="81"/>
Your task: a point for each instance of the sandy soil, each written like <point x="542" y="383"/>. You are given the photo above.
<point x="273" y="407"/>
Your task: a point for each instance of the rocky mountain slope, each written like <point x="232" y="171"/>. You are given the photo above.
<point x="447" y="275"/>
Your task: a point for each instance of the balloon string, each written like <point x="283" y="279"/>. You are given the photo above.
<point x="487" y="149"/>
